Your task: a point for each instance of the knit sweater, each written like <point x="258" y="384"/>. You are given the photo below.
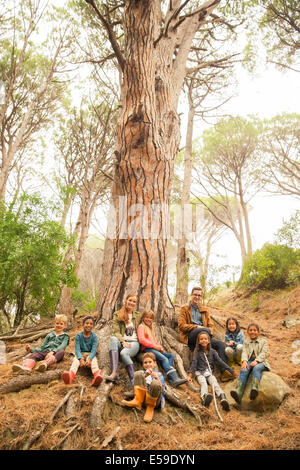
<point x="86" y="344"/>
<point x="54" y="342"/>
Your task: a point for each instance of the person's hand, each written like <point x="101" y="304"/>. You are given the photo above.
<point x="155" y="376"/>
<point x="50" y="353"/>
<point x="148" y="372"/>
<point x="160" y="348"/>
<point x="88" y="362"/>
<point x="253" y="363"/>
<point x="245" y="365"/>
<point x="231" y="343"/>
<point x="82" y="362"/>
<point x="126" y="345"/>
<point x="235" y="374"/>
<point x="28" y="347"/>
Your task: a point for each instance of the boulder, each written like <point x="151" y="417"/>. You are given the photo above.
<point x="272" y="390"/>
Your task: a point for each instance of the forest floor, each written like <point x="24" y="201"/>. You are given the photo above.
<point x="24" y="413"/>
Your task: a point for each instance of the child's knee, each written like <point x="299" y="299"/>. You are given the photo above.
<point x="155" y="388"/>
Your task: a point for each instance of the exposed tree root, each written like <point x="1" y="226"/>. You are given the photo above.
<point x="182" y="402"/>
<point x="24" y="381"/>
<point x="96" y="419"/>
<point x="39" y="335"/>
<point x="24" y="337"/>
<point x="66" y="437"/>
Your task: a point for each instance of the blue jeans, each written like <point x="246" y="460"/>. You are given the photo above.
<point x="165" y="359"/>
<point x="125" y="353"/>
<point x="257" y="372"/>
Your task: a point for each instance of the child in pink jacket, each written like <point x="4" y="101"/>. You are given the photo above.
<point x="146" y="337"/>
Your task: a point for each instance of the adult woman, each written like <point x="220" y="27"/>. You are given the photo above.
<point x="124" y="339"/>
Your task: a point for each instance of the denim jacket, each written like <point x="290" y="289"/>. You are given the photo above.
<point x="238" y="338"/>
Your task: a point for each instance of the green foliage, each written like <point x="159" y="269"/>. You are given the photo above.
<point x="270" y="267"/>
<point x="31" y="259"/>
<point x="289" y="233"/>
<point x="83" y="301"/>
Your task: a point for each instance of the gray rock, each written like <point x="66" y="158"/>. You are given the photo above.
<point x="289" y="322"/>
<point x="272" y="391"/>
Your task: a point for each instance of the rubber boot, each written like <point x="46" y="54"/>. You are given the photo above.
<point x="150" y="405"/>
<point x="207" y="399"/>
<point x="27" y="366"/>
<point x="46" y="363"/>
<point x="114" y="362"/>
<point x="237" y="394"/>
<point x="68" y="377"/>
<point x="224" y="402"/>
<point x="173" y="379"/>
<point x="130" y="371"/>
<point x="97" y="378"/>
<point x="254" y="389"/>
<point x="139" y="396"/>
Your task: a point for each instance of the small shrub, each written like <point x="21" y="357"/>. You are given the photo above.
<point x="270" y="267"/>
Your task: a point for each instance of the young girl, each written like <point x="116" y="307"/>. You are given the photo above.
<point x="204" y="354"/>
<point x="146" y="337"/>
<point x="51" y="351"/>
<point x="149" y="387"/>
<point x="234" y="340"/>
<point x="254" y="359"/>
<point x="124" y="340"/>
<point x="86" y="344"/>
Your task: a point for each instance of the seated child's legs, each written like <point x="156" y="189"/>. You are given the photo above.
<point x="94" y="365"/>
<point x="155" y="389"/>
<point x="38" y="356"/>
<point x="244" y="373"/>
<point x="229" y="353"/>
<point x="75" y="365"/>
<point x="139" y="378"/>
<point x="238" y="352"/>
<point x="59" y="355"/>
<point x="258" y="370"/>
<point x="203" y="384"/>
<point x="213" y="382"/>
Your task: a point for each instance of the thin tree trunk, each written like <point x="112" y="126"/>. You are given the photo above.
<point x="182" y="265"/>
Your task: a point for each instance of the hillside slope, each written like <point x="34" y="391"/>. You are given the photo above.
<point x="23" y="413"/>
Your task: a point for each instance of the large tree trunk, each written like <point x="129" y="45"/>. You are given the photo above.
<point x="147" y="142"/>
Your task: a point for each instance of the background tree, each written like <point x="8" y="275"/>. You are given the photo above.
<point x="85" y="144"/>
<point x="32" y="247"/>
<point x="30" y="72"/>
<point x="281" y="144"/>
<point x="230" y="170"/>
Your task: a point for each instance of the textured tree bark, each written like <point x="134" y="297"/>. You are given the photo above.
<point x="147" y="141"/>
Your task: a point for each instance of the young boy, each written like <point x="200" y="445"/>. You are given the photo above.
<point x="51" y="351"/>
<point x="86" y="344"/>
<point x="149" y="385"/>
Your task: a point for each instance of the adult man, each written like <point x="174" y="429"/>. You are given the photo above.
<point x="194" y="318"/>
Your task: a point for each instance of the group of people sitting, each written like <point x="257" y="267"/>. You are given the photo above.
<point x="134" y="332"/>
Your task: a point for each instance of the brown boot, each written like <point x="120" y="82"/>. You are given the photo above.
<point x="46" y="363"/>
<point x="150" y="403"/>
<point x="139" y="395"/>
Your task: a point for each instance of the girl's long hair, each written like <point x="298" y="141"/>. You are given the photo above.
<point x="123" y="313"/>
<point x="199" y="349"/>
<point x="237" y="329"/>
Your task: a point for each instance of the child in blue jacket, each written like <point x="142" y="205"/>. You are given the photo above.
<point x="234" y="340"/>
